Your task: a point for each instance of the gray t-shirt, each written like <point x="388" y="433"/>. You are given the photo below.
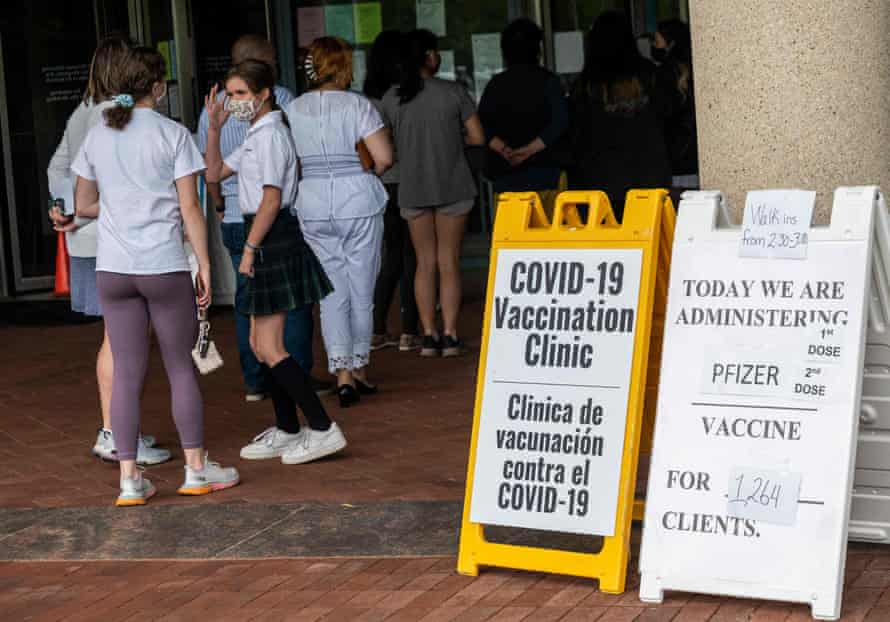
<point x="391" y="176"/>
<point x="428" y="134"/>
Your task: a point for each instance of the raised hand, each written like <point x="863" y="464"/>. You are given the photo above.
<point x="217" y="114"/>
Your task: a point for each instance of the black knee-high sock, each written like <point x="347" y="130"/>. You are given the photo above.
<point x="291" y="377"/>
<point x="286" y="418"/>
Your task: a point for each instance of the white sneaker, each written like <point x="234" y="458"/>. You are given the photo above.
<point x="211" y="478"/>
<point x="104" y="447"/>
<point x="146" y="453"/>
<point x="315" y="444"/>
<point x="270" y="444"/>
<point x="135" y="492"/>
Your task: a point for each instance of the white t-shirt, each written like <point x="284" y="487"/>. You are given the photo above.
<point x="82" y="242"/>
<point x="140" y="223"/>
<point x="266" y="158"/>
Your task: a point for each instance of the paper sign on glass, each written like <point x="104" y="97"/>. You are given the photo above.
<point x="569" y="51"/>
<point x="359" y="70"/>
<point x="446" y="67"/>
<point x="431" y="16"/>
<point x="763" y="495"/>
<point x="310" y="24"/>
<point x="368" y="22"/>
<point x="777" y="224"/>
<point x="339" y="21"/>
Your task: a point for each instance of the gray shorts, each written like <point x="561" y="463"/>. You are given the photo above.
<point x="458" y="208"/>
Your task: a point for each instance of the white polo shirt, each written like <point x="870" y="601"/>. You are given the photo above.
<point x="140" y="222"/>
<point x="267" y="157"/>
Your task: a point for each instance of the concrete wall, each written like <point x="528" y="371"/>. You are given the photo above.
<point x="792" y="93"/>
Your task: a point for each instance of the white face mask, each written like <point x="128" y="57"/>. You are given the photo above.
<point x="243" y="109"/>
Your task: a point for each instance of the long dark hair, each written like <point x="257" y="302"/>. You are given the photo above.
<point x="384" y="63"/>
<point x="676" y="32"/>
<point x="142" y="69"/>
<point x="417" y="45"/>
<point x="613" y="64"/>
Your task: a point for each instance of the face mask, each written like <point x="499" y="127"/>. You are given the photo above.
<point x="243" y="109"/>
<point x="659" y="55"/>
<point x="160" y="98"/>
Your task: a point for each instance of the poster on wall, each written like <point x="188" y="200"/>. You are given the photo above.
<point x="431" y="16"/>
<point x="487" y="59"/>
<point x="569" y="51"/>
<point x="310" y="24"/>
<point x="339" y="21"/>
<point x="368" y="22"/>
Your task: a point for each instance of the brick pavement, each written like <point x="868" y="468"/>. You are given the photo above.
<point x="407" y="444"/>
<point x="393" y="589"/>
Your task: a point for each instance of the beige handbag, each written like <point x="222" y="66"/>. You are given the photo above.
<point x="205" y="354"/>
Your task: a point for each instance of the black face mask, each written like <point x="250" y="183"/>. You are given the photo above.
<point x="659" y="55"/>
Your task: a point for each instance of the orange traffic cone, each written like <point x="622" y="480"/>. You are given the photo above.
<point x="63" y="283"/>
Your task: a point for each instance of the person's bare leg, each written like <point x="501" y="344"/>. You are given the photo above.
<point x="423" y="236"/>
<point x="104" y="378"/>
<point x="345" y="376"/>
<point x="449" y="234"/>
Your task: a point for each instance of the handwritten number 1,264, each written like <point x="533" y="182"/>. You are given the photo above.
<point x="762" y="492"/>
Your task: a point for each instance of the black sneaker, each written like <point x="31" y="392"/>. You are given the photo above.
<point x="451" y="346"/>
<point x="322" y="387"/>
<point x="431" y="347"/>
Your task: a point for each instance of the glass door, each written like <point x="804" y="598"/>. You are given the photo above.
<point x="45" y="50"/>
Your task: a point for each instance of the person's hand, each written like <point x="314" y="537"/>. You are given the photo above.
<point x="500" y="147"/>
<point x="202" y="287"/>
<point x="520" y="155"/>
<point x="58" y="218"/>
<point x="67" y="227"/>
<point x="217" y="114"/>
<point x="246" y="267"/>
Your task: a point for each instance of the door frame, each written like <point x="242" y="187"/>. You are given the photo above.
<point x="20" y="283"/>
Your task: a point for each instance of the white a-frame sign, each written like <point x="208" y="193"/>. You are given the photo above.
<point x="758" y="403"/>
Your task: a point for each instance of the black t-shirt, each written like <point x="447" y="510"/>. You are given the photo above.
<point x="518" y="105"/>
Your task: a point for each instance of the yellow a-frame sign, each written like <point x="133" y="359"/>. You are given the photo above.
<point x="565" y="374"/>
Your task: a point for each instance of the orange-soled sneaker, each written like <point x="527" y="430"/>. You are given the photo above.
<point x="211" y="478"/>
<point x="136" y="491"/>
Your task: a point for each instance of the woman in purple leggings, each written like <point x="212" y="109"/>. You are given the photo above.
<point x="136" y="174"/>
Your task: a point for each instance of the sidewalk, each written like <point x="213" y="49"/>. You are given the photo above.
<point x="368" y="535"/>
<point x="394" y="589"/>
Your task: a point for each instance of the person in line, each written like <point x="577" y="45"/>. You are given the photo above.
<point x="340" y="205"/>
<point x="673" y="51"/>
<point x="398" y="263"/>
<point x="282" y="272"/>
<point x="524" y="112"/>
<point x="432" y="120"/>
<point x="146" y="166"/>
<point x="616" y="138"/>
<point x="80" y="233"/>
<point x="298" y="328"/>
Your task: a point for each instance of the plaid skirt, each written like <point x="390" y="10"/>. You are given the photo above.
<point x="286" y="273"/>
